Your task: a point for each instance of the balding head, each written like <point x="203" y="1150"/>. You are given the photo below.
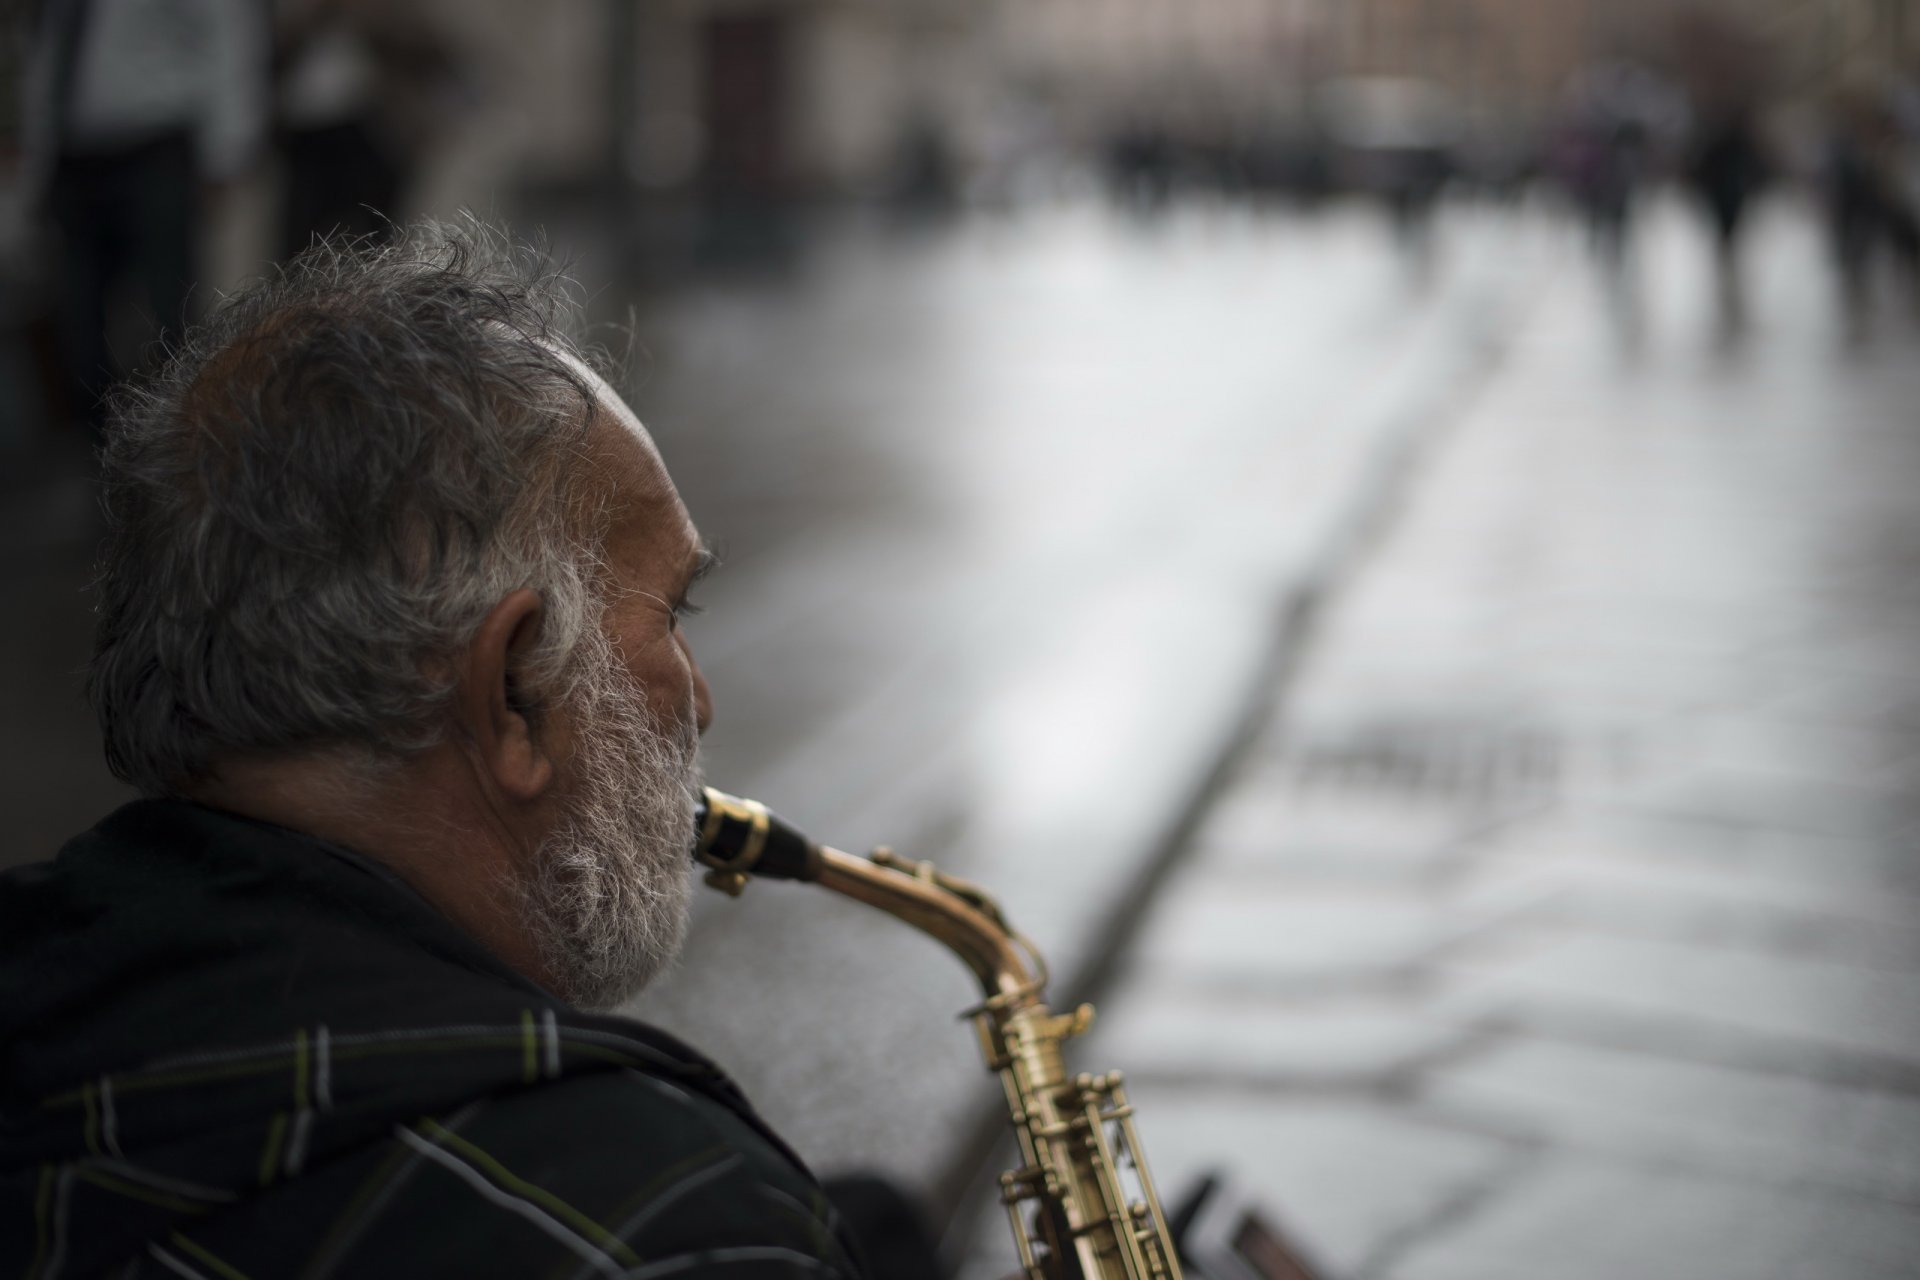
<point x="392" y="565"/>
<point x="325" y="490"/>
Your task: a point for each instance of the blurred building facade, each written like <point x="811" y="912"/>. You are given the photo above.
<point x="757" y="98"/>
<point x="768" y="100"/>
<point x="786" y="98"/>
<point x="1232" y="58"/>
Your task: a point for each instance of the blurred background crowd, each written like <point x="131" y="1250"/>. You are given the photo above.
<point x="1384" y="528"/>
<point x="152" y="146"/>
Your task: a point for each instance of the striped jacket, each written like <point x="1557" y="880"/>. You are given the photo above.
<point x="230" y="1050"/>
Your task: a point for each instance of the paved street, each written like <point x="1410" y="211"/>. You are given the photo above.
<point x="1563" y="922"/>
<point x="1561" y="919"/>
<point x="1010" y="514"/>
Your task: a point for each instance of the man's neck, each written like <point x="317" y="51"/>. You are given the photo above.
<point x="424" y="818"/>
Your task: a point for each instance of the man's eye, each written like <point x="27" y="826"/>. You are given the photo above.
<point x="686" y="609"/>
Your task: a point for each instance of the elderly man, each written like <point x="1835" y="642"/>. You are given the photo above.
<point x="390" y="638"/>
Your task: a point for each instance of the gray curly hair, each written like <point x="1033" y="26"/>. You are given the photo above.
<point x="323" y="492"/>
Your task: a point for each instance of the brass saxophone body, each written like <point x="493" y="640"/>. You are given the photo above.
<point x="1082" y="1204"/>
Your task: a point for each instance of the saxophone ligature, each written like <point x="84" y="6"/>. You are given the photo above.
<point x="1081" y="1203"/>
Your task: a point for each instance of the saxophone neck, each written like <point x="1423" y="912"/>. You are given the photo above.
<point x="740" y="840"/>
<point x="964" y="920"/>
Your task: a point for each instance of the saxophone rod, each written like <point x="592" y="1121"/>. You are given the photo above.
<point x="738" y="840"/>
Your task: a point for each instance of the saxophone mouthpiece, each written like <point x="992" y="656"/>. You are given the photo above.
<point x="736" y="838"/>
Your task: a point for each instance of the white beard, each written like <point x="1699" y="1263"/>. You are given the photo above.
<point x="609" y="894"/>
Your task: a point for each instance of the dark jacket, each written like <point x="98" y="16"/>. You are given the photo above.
<point x="231" y="1050"/>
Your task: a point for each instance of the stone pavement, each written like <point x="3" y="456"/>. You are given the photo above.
<point x="1008" y="515"/>
<point x="1564" y="921"/>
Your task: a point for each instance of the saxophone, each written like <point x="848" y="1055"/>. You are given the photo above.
<point x="1082" y="1204"/>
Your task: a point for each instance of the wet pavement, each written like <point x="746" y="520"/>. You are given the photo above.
<point x="1012" y="516"/>
<point x="1563" y="922"/>
<point x="1559" y="920"/>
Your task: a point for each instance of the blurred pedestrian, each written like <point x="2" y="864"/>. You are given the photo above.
<point x="1617" y="121"/>
<point x="1412" y="180"/>
<point x="1592" y="162"/>
<point x="924" y="180"/>
<point x="1727" y="169"/>
<point x="1615" y="117"/>
<point x="1870" y="193"/>
<point x="136" y="115"/>
<point x="362" y="88"/>
<point x="1141" y="165"/>
<point x="1397" y="137"/>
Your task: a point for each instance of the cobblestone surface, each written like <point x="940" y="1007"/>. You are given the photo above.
<point x="1565" y="921"/>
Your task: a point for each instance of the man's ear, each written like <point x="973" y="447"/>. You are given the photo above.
<point x="495" y="712"/>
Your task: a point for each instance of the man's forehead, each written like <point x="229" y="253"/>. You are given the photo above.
<point x="625" y="445"/>
<point x="640" y="489"/>
<point x="610" y="406"/>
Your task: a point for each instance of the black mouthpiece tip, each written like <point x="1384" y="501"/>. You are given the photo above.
<point x="741" y="836"/>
